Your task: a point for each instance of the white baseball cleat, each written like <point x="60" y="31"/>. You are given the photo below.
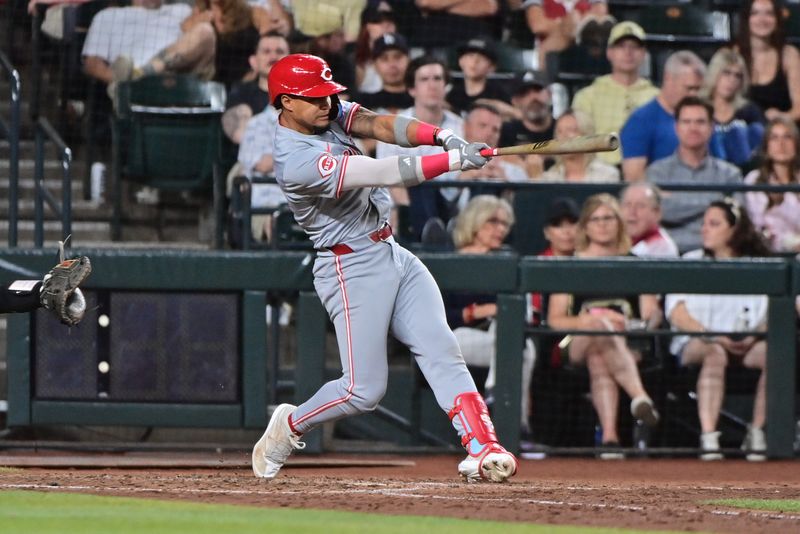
<point x="277" y="443"/>
<point x="495" y="465"/>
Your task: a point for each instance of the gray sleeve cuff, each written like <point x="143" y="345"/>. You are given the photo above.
<point x="401" y="130"/>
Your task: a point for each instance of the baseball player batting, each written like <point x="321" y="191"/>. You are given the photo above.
<point x="367" y="282"/>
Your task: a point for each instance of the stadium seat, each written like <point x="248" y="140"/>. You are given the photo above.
<point x="679" y="26"/>
<point x="577" y="67"/>
<point x="166" y="134"/>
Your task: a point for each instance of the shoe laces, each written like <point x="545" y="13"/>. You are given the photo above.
<point x="284" y="447"/>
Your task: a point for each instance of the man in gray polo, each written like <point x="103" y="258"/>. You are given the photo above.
<point x="691" y="163"/>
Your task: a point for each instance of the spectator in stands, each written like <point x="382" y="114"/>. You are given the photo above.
<point x="482" y="125"/>
<point x="649" y="133"/>
<point x="641" y="210"/>
<point x="477" y="59"/>
<point x="441" y="23"/>
<point x="560" y="227"/>
<point x="390" y="57"/>
<point x="557" y="23"/>
<point x="738" y="123"/>
<point x="578" y="167"/>
<point x="691" y="163"/>
<point x="137" y="33"/>
<point x="375" y="22"/>
<point x="326" y="35"/>
<point x="777" y="215"/>
<point x="611" y="364"/>
<point x="774" y="65"/>
<point x="321" y="17"/>
<point x="727" y="233"/>
<point x="610" y="99"/>
<point x="250" y="98"/>
<point x="427" y="79"/>
<point x="255" y="160"/>
<point x="481" y="228"/>
<point x="532" y="96"/>
<point x="218" y="39"/>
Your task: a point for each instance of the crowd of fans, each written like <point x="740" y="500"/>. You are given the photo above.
<point x="445" y="63"/>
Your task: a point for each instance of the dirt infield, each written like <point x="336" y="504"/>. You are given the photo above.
<point x="648" y="494"/>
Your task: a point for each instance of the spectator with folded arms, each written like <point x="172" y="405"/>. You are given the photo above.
<point x="777" y="215"/>
<point x="738" y="123"/>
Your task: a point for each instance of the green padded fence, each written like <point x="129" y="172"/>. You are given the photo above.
<point x="253" y="274"/>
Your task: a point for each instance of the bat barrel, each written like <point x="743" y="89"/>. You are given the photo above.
<point x="578" y="145"/>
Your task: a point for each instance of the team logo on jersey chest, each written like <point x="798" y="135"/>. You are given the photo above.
<point x="326" y="164"/>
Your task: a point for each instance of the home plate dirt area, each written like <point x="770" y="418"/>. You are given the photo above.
<point x="668" y="494"/>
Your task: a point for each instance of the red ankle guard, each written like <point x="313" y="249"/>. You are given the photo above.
<point x="474" y="418"/>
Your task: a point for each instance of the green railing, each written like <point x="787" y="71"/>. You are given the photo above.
<point x="256" y="274"/>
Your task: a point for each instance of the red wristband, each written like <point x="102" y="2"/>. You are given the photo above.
<point x="469" y="313"/>
<point x="433" y="166"/>
<point x="426" y="134"/>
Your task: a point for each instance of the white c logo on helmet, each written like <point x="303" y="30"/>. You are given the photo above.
<point x="327" y="75"/>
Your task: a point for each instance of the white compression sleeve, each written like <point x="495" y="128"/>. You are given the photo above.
<point x="363" y="171"/>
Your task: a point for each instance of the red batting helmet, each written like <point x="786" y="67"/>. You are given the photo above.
<point x="301" y="75"/>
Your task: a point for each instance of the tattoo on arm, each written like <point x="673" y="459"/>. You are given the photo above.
<point x="371" y="125"/>
<point x="364" y="123"/>
<point x="235" y="119"/>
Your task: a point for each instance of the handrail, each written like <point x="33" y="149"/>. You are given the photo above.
<point x="45" y="131"/>
<point x="12" y="133"/>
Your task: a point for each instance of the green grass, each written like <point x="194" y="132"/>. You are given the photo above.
<point x="27" y="512"/>
<point x="774" y="505"/>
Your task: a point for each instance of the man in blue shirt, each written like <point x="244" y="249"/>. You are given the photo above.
<point x="649" y="133"/>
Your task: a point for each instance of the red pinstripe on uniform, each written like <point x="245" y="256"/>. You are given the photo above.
<point x="349" y="120"/>
<point x="342" y="170"/>
<point x="350" y="387"/>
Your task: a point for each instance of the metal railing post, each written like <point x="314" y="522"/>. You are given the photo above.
<point x="509" y="344"/>
<point x="38" y="190"/>
<point x="12" y="133"/>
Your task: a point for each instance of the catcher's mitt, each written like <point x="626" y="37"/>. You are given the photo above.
<point x="60" y="291"/>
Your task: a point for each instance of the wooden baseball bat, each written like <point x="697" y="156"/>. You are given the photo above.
<point x="576" y="145"/>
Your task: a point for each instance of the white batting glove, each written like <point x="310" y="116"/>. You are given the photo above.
<point x="470" y="156"/>
<point x="449" y="140"/>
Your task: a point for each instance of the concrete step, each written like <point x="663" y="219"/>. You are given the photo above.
<point x="82" y="210"/>
<point x="82" y="231"/>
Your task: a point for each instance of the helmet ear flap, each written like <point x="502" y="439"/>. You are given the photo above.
<point x="333" y="114"/>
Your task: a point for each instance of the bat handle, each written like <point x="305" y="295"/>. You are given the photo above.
<point x="488" y="152"/>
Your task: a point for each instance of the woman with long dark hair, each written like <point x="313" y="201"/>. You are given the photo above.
<point x="777" y="215"/>
<point x="727" y="232"/>
<point x="774" y="65"/>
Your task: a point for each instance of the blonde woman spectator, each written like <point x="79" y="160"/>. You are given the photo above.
<point x="481" y="228"/>
<point x="777" y="215"/>
<point x="726" y="233"/>
<point x="611" y="364"/>
<point x="578" y="167"/>
<point x="738" y="123"/>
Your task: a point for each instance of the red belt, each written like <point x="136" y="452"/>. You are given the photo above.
<point x="381" y="234"/>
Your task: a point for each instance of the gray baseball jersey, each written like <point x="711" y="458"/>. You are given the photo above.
<point x="375" y="287"/>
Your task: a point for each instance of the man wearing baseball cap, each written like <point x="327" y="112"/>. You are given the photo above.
<point x="477" y="59"/>
<point x="610" y="99"/>
<point x="390" y="57"/>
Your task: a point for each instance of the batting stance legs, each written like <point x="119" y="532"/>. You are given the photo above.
<point x="366" y="293"/>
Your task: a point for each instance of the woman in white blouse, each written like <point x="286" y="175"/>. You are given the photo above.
<point x="727" y="233"/>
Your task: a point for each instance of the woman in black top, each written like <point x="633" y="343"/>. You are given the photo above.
<point x="611" y="363"/>
<point x="774" y="65"/>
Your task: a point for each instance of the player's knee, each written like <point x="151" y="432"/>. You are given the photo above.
<point x="367" y="399"/>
